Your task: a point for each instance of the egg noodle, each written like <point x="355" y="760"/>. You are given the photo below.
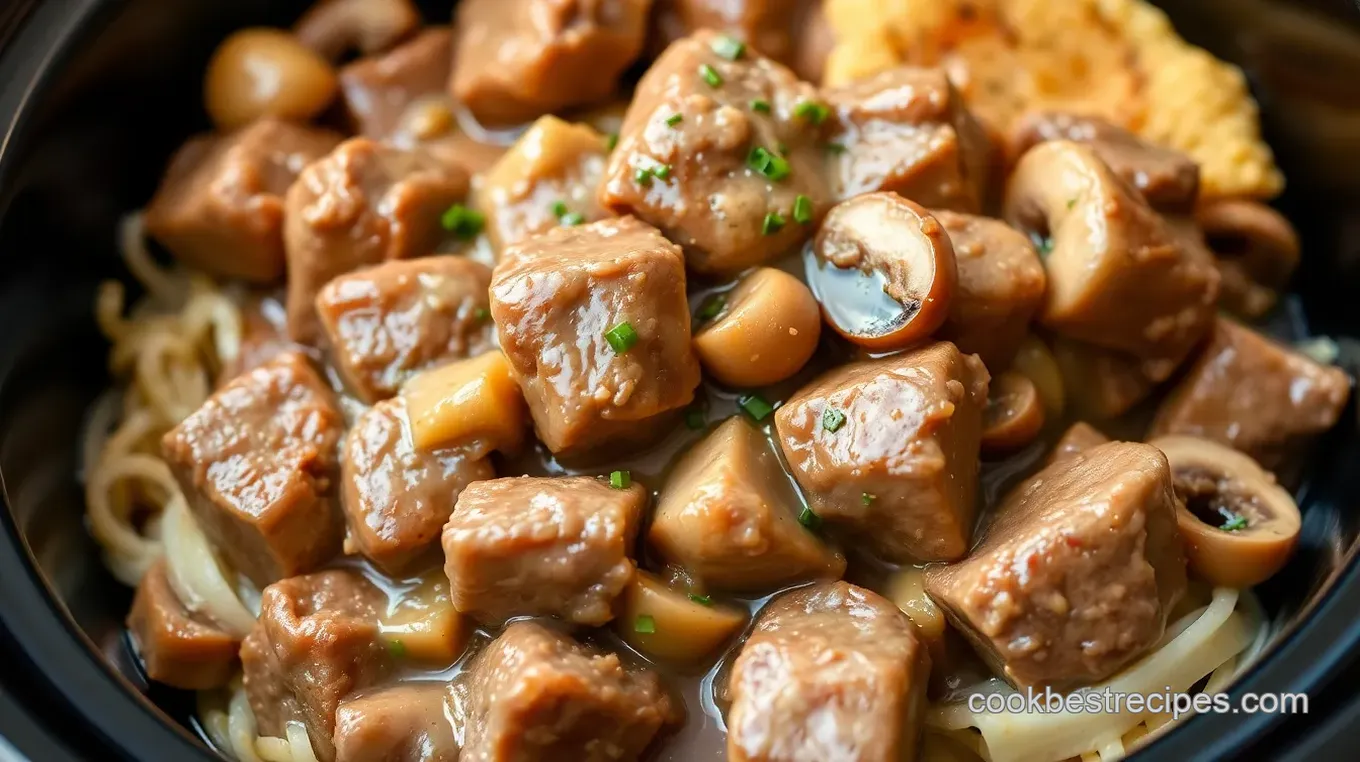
<point x="175" y="340"/>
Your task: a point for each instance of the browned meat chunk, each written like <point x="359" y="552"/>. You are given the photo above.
<point x="220" y="205"/>
<point x="527" y="545"/>
<point x="1077" y="571"/>
<point x="258" y="463"/>
<point x="535" y="694"/>
<point x="717" y="153"/>
<point x="316" y="643"/>
<point x="595" y="324"/>
<point x="889" y="448"/>
<point x="770" y="26"/>
<point x="519" y="59"/>
<point x="550" y="177"/>
<point x="387" y="322"/>
<point x="1101" y="383"/>
<point x="362" y="205"/>
<point x="396" y="497"/>
<point x="831" y="671"/>
<point x="408" y="722"/>
<point x="1119" y="277"/>
<point x="1169" y="180"/>
<point x="1254" y="395"/>
<point x="907" y="131"/>
<point x="178" y="647"/>
<point x="262" y="337"/>
<point x="380" y="91"/>
<point x="333" y="28"/>
<point x="1078" y="438"/>
<point x="728" y="515"/>
<point x="1000" y="287"/>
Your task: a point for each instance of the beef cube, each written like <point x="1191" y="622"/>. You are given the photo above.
<point x="906" y="130"/>
<point x="729" y="517"/>
<point x="364" y="204"/>
<point x="596" y="327"/>
<point x="1101" y="383"/>
<point x="519" y="59"/>
<point x="535" y="694"/>
<point x="380" y="90"/>
<point x="526" y="546"/>
<point x="1168" y="179"/>
<point x="1000" y="287"/>
<point x="385" y="323"/>
<point x="889" y="449"/>
<point x="550" y="177"/>
<point x="258" y="464"/>
<point x="408" y="722"/>
<point x="178" y="647"/>
<point x="831" y="671"/>
<point x="316" y="643"/>
<point x="770" y="26"/>
<point x="1254" y="395"/>
<point x="721" y="176"/>
<point x="396" y="497"/>
<point x="1076" y="573"/>
<point x="220" y="206"/>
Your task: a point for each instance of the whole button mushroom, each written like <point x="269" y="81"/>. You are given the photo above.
<point x="1256" y="249"/>
<point x="1118" y="277"/>
<point x="883" y="269"/>
<point x="766" y="329"/>
<point x="1240" y="527"/>
<point x="1014" y="415"/>
<point x="266" y="72"/>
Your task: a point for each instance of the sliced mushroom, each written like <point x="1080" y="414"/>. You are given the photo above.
<point x="906" y="588"/>
<point x="476" y="398"/>
<point x="265" y="72"/>
<point x="765" y="331"/>
<point x="1257" y="251"/>
<point x="660" y="621"/>
<point x="883" y="269"/>
<point x="335" y="27"/>
<point x="1014" y="415"/>
<point x="1240" y="527"/>
<point x="1118" y="278"/>
<point x="424" y="625"/>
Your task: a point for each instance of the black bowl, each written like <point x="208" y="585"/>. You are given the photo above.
<point x="95" y="94"/>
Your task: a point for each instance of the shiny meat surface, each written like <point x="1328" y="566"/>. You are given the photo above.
<point x="535" y="694"/>
<point x="379" y="91"/>
<point x="830" y="672"/>
<point x="177" y="647"/>
<point x="888" y="449"/>
<point x="1076" y="572"/>
<point x="258" y="465"/>
<point x="408" y="722"/>
<point x="384" y="323"/>
<point x="527" y="546"/>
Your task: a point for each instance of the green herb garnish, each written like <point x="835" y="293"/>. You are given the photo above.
<point x="773" y="223"/>
<point x="772" y="166"/>
<point x="481" y="313"/>
<point x="571" y="219"/>
<point x="802" y="209"/>
<point x="559" y="208"/>
<point x="1236" y="522"/>
<point x="620" y="479"/>
<point x="811" y="111"/>
<point x="809" y="519"/>
<point x="611" y="141"/>
<point x="755" y="406"/>
<point x="711" y="307"/>
<point x="867" y="498"/>
<point x="1044" y="246"/>
<point x="662" y="171"/>
<point x="463" y="222"/>
<point x="710" y="75"/>
<point x="695" y="419"/>
<point x="621" y="337"/>
<point x="1071" y="202"/>
<point x="832" y="419"/>
<point x="396" y="648"/>
<point x="645" y="624"/>
<point x="702" y="600"/>
<point x="674" y="119"/>
<point x="728" y="47"/>
<point x="761" y="105"/>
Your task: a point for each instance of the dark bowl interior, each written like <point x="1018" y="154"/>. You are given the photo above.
<point x="95" y="94"/>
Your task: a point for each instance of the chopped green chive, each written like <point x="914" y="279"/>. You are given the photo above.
<point x="674" y="119"/>
<point x="835" y="148"/>
<point x="662" y="171"/>
<point x="571" y="219"/>
<point x="783" y="149"/>
<point x="611" y="141"/>
<point x="643" y="177"/>
<point x="1071" y="202"/>
<point x="755" y="406"/>
<point x="802" y="209"/>
<point x="711" y="307"/>
<point x="620" y="480"/>
<point x="809" y="519"/>
<point x="695" y="419"/>
<point x="645" y="624"/>
<point x="773" y="223"/>
<point x="621" y="337"/>
<point x="710" y="75"/>
<point x="728" y="47"/>
<point x="772" y="166"/>
<point x="396" y="648"/>
<point x="481" y="313"/>
<point x="867" y="498"/>
<point x="1044" y="246"/>
<point x="559" y="208"/>
<point x="463" y="222"/>
<point x="702" y="600"/>
<point x="761" y="105"/>
<point x="811" y="111"/>
<point x="832" y="419"/>
<point x="1235" y="523"/>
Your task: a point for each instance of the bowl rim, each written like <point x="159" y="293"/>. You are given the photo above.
<point x="1322" y="637"/>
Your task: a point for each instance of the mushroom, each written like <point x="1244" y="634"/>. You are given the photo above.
<point x="906" y="588"/>
<point x="335" y="27"/>
<point x="1036" y="362"/>
<point x="1101" y="383"/>
<point x="1014" y="415"/>
<point x="1239" y="525"/>
<point x="1256" y="249"/>
<point x="765" y="330"/>
<point x="1118" y="278"/>
<point x="666" y="623"/>
<point x="265" y="72"/>
<point x="883" y="269"/>
<point x="423" y="623"/>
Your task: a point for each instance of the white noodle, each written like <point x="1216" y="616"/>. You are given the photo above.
<point x="241" y="724"/>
